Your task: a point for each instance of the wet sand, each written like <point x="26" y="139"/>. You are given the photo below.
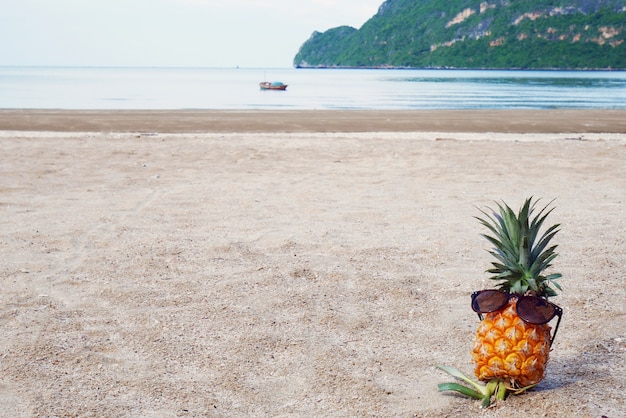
<point x="513" y="121"/>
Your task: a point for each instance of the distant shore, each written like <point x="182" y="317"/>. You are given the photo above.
<point x="187" y="121"/>
<point x="400" y="67"/>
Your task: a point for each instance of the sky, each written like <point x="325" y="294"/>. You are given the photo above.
<point x="168" y="33"/>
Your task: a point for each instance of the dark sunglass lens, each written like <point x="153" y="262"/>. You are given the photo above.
<point x="489" y="301"/>
<point x="535" y="310"/>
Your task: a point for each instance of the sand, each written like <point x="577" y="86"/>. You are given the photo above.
<point x="163" y="265"/>
<point x="511" y="121"/>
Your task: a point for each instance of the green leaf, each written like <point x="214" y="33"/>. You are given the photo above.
<point x="456" y="387"/>
<point x="549" y="292"/>
<point x="491" y="388"/>
<point x="457" y="374"/>
<point x="486" y="402"/>
<point x="501" y="391"/>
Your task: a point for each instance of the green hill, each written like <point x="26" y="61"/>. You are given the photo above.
<point x="520" y="34"/>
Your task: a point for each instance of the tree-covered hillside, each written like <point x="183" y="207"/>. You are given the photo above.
<point x="525" y="34"/>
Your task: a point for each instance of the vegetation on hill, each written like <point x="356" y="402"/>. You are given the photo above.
<point x="521" y="34"/>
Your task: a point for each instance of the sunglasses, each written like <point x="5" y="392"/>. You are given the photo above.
<point x="531" y="309"/>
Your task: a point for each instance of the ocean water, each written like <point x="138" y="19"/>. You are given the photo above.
<point x="235" y="88"/>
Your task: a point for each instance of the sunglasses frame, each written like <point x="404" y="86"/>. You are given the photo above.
<point x="557" y="309"/>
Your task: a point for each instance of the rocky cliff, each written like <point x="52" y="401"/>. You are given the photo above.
<point x="521" y="34"/>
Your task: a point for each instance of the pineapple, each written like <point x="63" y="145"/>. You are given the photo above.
<point x="513" y="341"/>
<point x="507" y="347"/>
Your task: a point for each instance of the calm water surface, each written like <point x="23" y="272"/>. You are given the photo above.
<point x="209" y="88"/>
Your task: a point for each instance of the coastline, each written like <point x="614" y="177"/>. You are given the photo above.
<point x="286" y="121"/>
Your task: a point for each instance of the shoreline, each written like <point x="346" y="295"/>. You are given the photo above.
<point x="579" y="121"/>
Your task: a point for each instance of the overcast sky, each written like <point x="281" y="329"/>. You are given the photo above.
<point x="196" y="33"/>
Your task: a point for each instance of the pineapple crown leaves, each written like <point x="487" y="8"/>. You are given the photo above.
<point x="522" y="253"/>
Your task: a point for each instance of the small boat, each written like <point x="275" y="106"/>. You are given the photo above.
<point x="274" y="85"/>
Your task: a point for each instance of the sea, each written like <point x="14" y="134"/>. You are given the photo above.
<point x="114" y="88"/>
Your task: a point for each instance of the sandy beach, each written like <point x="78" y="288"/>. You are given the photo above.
<point x="309" y="264"/>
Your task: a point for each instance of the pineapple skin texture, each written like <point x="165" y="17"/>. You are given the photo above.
<point x="510" y="349"/>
